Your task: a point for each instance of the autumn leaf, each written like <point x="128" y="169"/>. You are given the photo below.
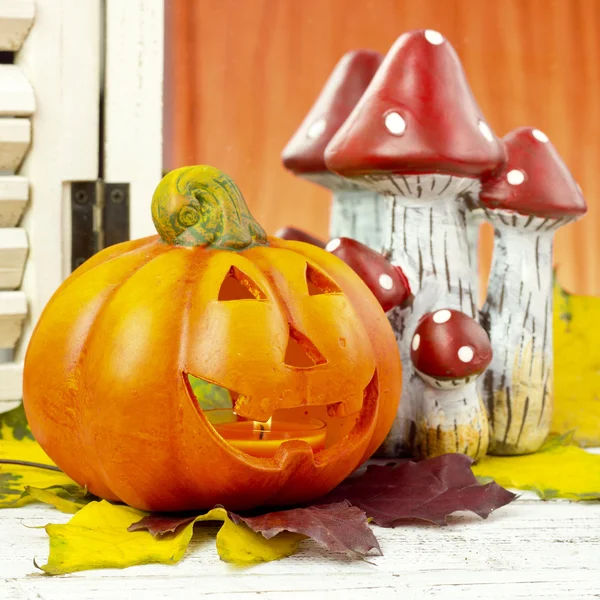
<point x="559" y="470"/>
<point x="67" y="498"/>
<point x="429" y="490"/>
<point x="17" y="444"/>
<point x="97" y="537"/>
<point x="236" y="542"/>
<point x="338" y="527"/>
<point x="576" y="366"/>
<point x="104" y="535"/>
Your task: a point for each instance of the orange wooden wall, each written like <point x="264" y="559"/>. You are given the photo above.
<point x="241" y="74"/>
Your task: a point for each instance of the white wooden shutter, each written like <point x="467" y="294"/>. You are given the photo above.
<point x="73" y="59"/>
<point x="17" y="104"/>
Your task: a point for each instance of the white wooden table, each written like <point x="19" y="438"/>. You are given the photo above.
<point x="530" y="549"/>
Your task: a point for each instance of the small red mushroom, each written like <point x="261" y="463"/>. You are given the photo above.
<point x="449" y="349"/>
<point x="387" y="282"/>
<point x="297" y="235"/>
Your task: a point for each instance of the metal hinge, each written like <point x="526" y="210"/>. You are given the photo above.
<point x="99" y="217"/>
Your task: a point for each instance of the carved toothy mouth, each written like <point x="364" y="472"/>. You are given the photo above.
<point x="343" y="432"/>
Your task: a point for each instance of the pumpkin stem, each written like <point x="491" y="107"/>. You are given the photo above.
<point x="201" y="206"/>
<point x="26" y="463"/>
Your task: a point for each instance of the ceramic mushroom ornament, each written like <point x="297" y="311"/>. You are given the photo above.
<point x="449" y="351"/>
<point x="418" y="136"/>
<point x="356" y="213"/>
<point x="533" y="197"/>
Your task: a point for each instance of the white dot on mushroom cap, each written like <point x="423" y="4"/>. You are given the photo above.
<point x="316" y="129"/>
<point x="515" y="177"/>
<point x="385" y="281"/>
<point x="465" y="354"/>
<point x="434" y="37"/>
<point x="333" y="245"/>
<point x="442" y="316"/>
<point x="416" y="342"/>
<point x="485" y="130"/>
<point x="395" y="124"/>
<point x="540" y="136"/>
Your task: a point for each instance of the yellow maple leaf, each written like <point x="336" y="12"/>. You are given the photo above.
<point x="557" y="471"/>
<point x="17" y="443"/>
<point x="576" y="366"/>
<point x="97" y="537"/>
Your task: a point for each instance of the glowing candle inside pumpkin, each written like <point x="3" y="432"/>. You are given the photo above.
<point x="263" y="439"/>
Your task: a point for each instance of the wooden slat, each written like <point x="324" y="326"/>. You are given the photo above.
<point x="16" y="94"/>
<point x="13" y="310"/>
<point x="13" y="254"/>
<point x="15" y="138"/>
<point x="14" y="193"/>
<point x="11" y="383"/>
<point x="133" y="105"/>
<point x="16" y="19"/>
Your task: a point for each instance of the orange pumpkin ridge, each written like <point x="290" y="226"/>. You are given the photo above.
<point x="283" y="325"/>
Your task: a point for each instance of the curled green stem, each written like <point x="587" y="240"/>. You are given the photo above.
<point x="201" y="206"/>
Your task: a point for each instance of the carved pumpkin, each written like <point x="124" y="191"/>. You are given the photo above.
<point x="286" y="327"/>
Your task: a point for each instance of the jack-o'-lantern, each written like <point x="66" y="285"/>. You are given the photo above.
<point x="287" y="329"/>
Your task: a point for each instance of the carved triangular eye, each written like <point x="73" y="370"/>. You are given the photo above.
<point x="301" y="352"/>
<point x="319" y="283"/>
<point x="238" y="286"/>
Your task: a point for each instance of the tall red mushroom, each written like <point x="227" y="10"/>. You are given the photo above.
<point x="355" y="213"/>
<point x="449" y="351"/>
<point x="418" y="136"/>
<point x="534" y="196"/>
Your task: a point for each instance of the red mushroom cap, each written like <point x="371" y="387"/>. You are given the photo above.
<point x="535" y="180"/>
<point x="417" y="116"/>
<point x="387" y="282"/>
<point x="449" y="345"/>
<point x="346" y="84"/>
<point x="297" y="235"/>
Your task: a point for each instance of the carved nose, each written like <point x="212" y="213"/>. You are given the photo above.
<point x="301" y="353"/>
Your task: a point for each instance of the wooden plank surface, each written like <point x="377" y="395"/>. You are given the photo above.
<point x="530" y="549"/>
<point x="16" y="19"/>
<point x="14" y="193"/>
<point x="241" y="76"/>
<point x="13" y="310"/>
<point x="133" y="103"/>
<point x="16" y="94"/>
<point x="15" y="138"/>
<point x="14" y="248"/>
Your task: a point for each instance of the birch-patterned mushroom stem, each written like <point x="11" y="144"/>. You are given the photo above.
<point x="427" y="237"/>
<point x="517" y="314"/>
<point x="474" y="217"/>
<point x="356" y="212"/>
<point x="451" y="420"/>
